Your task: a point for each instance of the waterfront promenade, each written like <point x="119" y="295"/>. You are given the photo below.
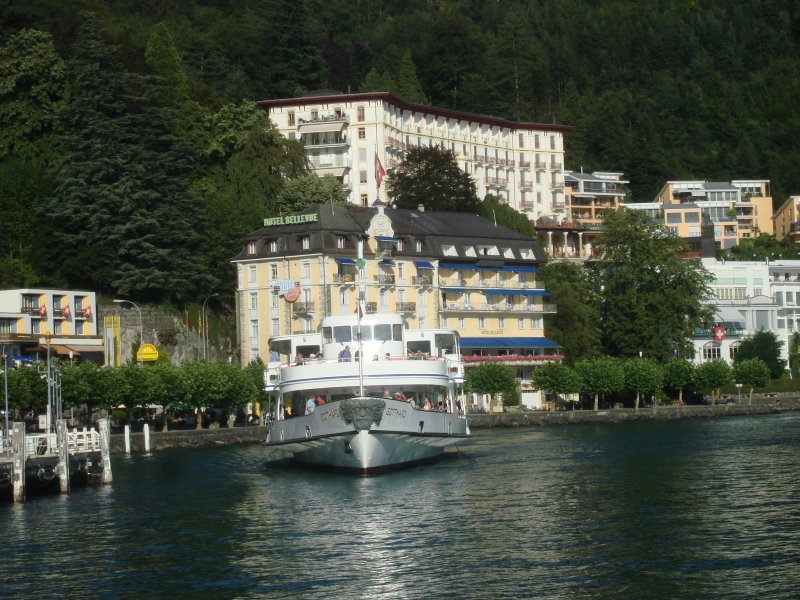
<point x="510" y="419"/>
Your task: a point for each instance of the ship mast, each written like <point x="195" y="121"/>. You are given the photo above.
<point x="360" y="262"/>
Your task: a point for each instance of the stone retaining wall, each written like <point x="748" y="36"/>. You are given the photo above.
<point x="255" y="435"/>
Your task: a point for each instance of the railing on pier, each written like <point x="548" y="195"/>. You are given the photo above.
<point x="46" y="444"/>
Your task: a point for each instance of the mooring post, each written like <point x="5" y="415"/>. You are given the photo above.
<point x="127" y="439"/>
<point x="18" y="456"/>
<point x="105" y="449"/>
<point x="146" y="432"/>
<point x="62" y="443"/>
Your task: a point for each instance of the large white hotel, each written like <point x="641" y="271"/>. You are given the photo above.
<point x="344" y="134"/>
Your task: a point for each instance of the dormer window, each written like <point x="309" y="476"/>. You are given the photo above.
<point x="341" y="241"/>
<point x="305" y="242"/>
<point x="400" y="245"/>
<point x="290" y="117"/>
<point x="273" y="245"/>
<point x="251" y="247"/>
<point x="419" y="246"/>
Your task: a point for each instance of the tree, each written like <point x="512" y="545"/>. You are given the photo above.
<point x="601" y="376"/>
<point x="408" y="86"/>
<point x="643" y="377"/>
<point x="712" y="375"/>
<point x="163" y="58"/>
<point x="576" y="326"/>
<point x="430" y="176"/>
<point x="556" y="378"/>
<point x="33" y="90"/>
<point x="300" y="193"/>
<point x="123" y="219"/>
<point x="504" y="215"/>
<point x="766" y="346"/>
<point x="753" y="372"/>
<point x="651" y="297"/>
<point x="678" y="373"/>
<point x="491" y="378"/>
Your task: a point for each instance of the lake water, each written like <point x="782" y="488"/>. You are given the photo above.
<point x="675" y="509"/>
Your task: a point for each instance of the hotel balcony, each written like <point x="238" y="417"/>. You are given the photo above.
<point x="322" y="124"/>
<point x="384" y="278"/>
<point x="525" y="164"/>
<point x="526" y="185"/>
<point x="557" y="187"/>
<point x="499" y="307"/>
<point x="540" y="166"/>
<point x="527" y="205"/>
<point x="346" y="278"/>
<point x="422" y="280"/>
<point x="556" y="166"/>
<point x="337" y="168"/>
<point x="478" y="158"/>
<point x="303" y="307"/>
<point x="496" y="182"/>
<point x="406" y="307"/>
<point x="371" y="307"/>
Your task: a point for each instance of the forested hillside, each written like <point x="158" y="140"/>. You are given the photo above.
<point x="132" y="160"/>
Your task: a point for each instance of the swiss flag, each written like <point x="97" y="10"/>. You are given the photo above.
<point x="65" y="311"/>
<point x="719" y="333"/>
<point x="380" y="172"/>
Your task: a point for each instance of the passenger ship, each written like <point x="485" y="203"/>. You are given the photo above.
<point x="374" y="415"/>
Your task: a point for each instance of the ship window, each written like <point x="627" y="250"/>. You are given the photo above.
<point x="383" y="333"/>
<point x="397" y="331"/>
<point x="327" y="335"/>
<point x="366" y="332"/>
<point x="342" y="333"/>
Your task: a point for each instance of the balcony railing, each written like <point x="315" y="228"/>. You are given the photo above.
<point x="500" y="307"/>
<point x="422" y="280"/>
<point x="557" y="187"/>
<point x="525" y="164"/>
<point x="371" y="307"/>
<point x="496" y="181"/>
<point x="303" y="307"/>
<point x="526" y="185"/>
<point x="539" y="166"/>
<point x="554" y="166"/>
<point x="346" y="278"/>
<point x="384" y="278"/>
<point x="406" y="307"/>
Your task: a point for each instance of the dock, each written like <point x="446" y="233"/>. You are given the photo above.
<point x="45" y="462"/>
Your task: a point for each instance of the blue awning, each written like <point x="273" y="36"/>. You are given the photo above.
<point x="423" y="264"/>
<point x="507" y="342"/>
<point x="460" y="267"/>
<point x="520" y="269"/>
<point x="344" y="260"/>
<point x="387" y="262"/>
<point x="513" y="292"/>
<point x="454" y="290"/>
<point x="385" y="238"/>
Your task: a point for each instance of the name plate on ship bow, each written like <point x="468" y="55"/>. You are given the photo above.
<point x="362" y="412"/>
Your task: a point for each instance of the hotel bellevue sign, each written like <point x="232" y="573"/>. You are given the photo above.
<point x="290" y="220"/>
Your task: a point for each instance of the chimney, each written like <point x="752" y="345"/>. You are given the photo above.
<point x="421" y="208"/>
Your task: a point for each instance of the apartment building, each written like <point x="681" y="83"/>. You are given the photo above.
<point x="356" y="137"/>
<point x="786" y="220"/>
<point x="738" y="209"/>
<point x="438" y="269"/>
<point x="30" y="319"/>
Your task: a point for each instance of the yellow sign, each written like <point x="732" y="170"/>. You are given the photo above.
<point x="147" y="352"/>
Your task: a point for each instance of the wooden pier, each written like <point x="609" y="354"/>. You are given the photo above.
<point x="30" y="463"/>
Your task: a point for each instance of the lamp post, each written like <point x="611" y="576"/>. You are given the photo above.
<point x="141" y="328"/>
<point x="5" y="387"/>
<point x="204" y="333"/>
<point x="739" y="387"/>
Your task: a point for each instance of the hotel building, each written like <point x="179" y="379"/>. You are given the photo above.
<point x="30" y="319"/>
<point x="786" y="220"/>
<point x="439" y="269"/>
<point x="347" y="135"/>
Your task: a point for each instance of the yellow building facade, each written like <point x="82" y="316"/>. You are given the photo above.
<point x="786" y="220"/>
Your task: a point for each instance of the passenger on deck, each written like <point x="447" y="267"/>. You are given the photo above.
<point x="298" y="359"/>
<point x="344" y="355"/>
<point x="320" y="399"/>
<point x="427" y="404"/>
<point x="274" y="356"/>
<point x="398" y="396"/>
<point x="310" y="406"/>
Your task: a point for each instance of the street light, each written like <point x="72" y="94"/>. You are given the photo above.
<point x="141" y="328"/>
<point x="204" y="333"/>
<point x="739" y="387"/>
<point x="5" y="386"/>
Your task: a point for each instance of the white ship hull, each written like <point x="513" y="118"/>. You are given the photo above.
<point x="368" y="435"/>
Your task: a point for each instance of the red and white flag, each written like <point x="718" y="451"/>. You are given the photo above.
<point x="87" y="312"/>
<point x="65" y="311"/>
<point x="380" y="172"/>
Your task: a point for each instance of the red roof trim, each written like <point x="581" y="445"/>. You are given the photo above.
<point x="402" y="104"/>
